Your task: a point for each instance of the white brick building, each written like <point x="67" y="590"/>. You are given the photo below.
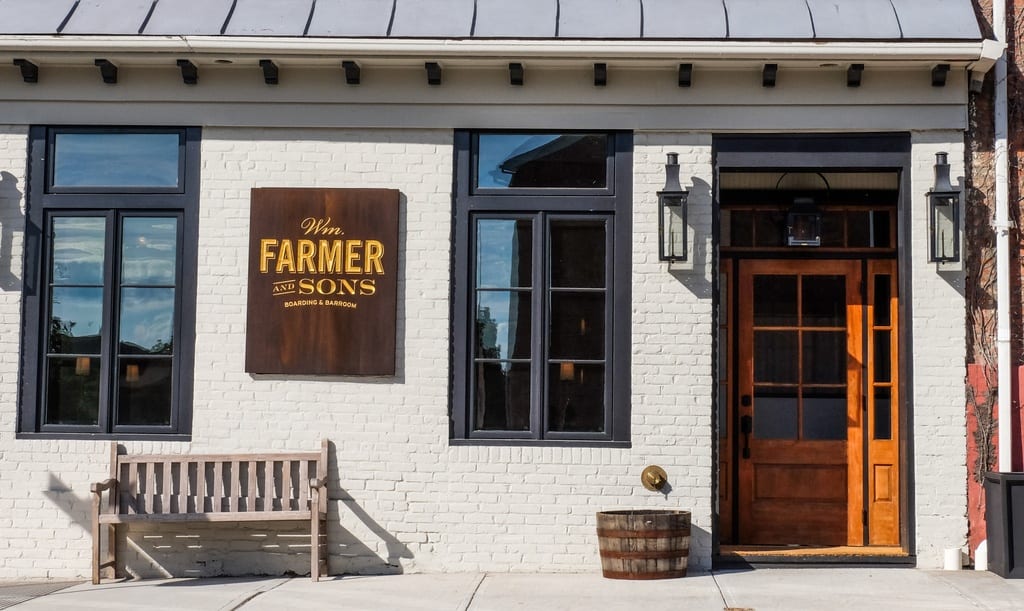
<point x="422" y="479"/>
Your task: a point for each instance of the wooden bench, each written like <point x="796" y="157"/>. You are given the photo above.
<point x="212" y="488"/>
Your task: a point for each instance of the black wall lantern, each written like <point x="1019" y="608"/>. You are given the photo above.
<point x="672" y="214"/>
<point x="943" y="216"/>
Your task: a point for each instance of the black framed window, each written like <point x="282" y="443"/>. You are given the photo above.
<point x="541" y="287"/>
<point x="109" y="291"/>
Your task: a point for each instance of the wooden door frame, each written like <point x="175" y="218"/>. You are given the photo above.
<point x="822" y="152"/>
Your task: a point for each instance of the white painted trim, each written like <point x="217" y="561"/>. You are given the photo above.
<point x="143" y="48"/>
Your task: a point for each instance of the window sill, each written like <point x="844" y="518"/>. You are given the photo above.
<point x="174" y="437"/>
<point x="549" y="443"/>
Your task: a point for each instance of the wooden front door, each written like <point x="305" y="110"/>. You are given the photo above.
<point x="816" y="411"/>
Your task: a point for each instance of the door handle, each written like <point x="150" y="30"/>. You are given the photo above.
<point x="746" y="427"/>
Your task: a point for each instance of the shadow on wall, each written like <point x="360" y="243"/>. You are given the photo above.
<point x="11" y="220"/>
<point x="348" y="554"/>
<point x="214" y="549"/>
<point x="694" y="275"/>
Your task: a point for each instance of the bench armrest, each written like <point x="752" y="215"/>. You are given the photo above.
<point x="99" y="487"/>
<point x="320" y="482"/>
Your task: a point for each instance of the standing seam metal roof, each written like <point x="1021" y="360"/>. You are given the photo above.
<point x="523" y="19"/>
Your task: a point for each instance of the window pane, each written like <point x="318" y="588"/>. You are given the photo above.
<point x="576" y="397"/>
<point x="578" y="254"/>
<point x="883" y="356"/>
<point x="824" y="357"/>
<point x="883" y="295"/>
<point x="741" y="228"/>
<point x="504" y="253"/>
<point x="115" y="160"/>
<point x="76" y="319"/>
<point x="144" y="391"/>
<point x="880" y="226"/>
<point x="503" y="324"/>
<point x="78" y="249"/>
<point x="832" y="229"/>
<point x="502" y="399"/>
<point x="775" y="301"/>
<point x="577" y="325"/>
<point x="73" y="390"/>
<point x="775" y="413"/>
<point x="824" y="413"/>
<point x="147" y="321"/>
<point x="769" y="228"/>
<point x="883" y="413"/>
<point x="858" y="229"/>
<point x="775" y="356"/>
<point x="577" y="161"/>
<point x="824" y="301"/>
<point x="149" y="250"/>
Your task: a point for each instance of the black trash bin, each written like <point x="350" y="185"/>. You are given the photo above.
<point x="1004" y="519"/>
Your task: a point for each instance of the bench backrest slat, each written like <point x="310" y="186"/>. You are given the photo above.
<point x="215" y="483"/>
<point x="200" y="486"/>
<point x="250" y="497"/>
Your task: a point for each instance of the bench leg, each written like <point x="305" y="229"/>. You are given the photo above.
<point x="95" y="542"/>
<point x="314" y="547"/>
<point x="112" y="551"/>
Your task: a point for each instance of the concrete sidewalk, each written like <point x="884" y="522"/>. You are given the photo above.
<point x="833" y="589"/>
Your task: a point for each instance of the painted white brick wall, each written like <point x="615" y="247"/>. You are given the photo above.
<point x="402" y="498"/>
<point x="939" y="352"/>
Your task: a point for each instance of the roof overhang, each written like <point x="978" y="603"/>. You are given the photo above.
<point x="977" y="55"/>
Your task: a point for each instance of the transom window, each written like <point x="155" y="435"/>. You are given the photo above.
<point x="541" y="325"/>
<point x="109" y="320"/>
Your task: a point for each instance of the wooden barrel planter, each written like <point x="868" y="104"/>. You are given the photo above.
<point x="644" y="544"/>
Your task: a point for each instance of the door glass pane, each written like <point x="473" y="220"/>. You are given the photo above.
<point x="149" y="250"/>
<point x="578" y="254"/>
<point x="501" y="401"/>
<point x="775" y="413"/>
<point x="576" y="397"/>
<point x="824" y="301"/>
<point x="769" y="228"/>
<point x="147" y="321"/>
<point x="883" y="356"/>
<point x="116" y="160"/>
<point x="775" y="301"/>
<point x="577" y="325"/>
<point x="883" y="294"/>
<point x="824" y="411"/>
<point x="503" y="324"/>
<point x="73" y="390"/>
<point x="145" y="391"/>
<point x="504" y="253"/>
<point x="775" y="357"/>
<point x="531" y="160"/>
<point x="883" y="413"/>
<point x="824" y="357"/>
<point x="78" y="250"/>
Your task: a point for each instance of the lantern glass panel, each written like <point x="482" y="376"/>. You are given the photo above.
<point x="673" y="227"/>
<point x="945" y="238"/>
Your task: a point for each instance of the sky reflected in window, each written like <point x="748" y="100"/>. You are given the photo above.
<point x="116" y="160"/>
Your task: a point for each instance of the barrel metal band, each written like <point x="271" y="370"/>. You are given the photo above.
<point x="655" y="555"/>
<point x="647" y="534"/>
<point x="637" y="576"/>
